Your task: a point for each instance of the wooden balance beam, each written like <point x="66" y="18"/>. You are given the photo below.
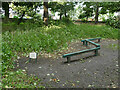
<point x="84" y="51"/>
<point x="84" y="41"/>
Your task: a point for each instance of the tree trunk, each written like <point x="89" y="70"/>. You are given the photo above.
<point x="60" y="16"/>
<point x="65" y="14"/>
<point x="96" y="13"/>
<point x="45" y="15"/>
<point x="5" y="6"/>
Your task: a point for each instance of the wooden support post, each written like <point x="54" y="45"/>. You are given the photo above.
<point x="86" y="43"/>
<point x="96" y="52"/>
<point x="98" y="40"/>
<point x="36" y="60"/>
<point x="29" y="59"/>
<point x="83" y="42"/>
<point x="68" y="59"/>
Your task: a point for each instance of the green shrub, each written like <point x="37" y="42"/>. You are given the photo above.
<point x="15" y="17"/>
<point x="66" y="20"/>
<point x="37" y="20"/>
<point x="103" y="19"/>
<point x="113" y="22"/>
<point x="7" y="57"/>
<point x="83" y="20"/>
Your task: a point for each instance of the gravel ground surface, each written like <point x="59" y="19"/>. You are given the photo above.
<point x="84" y="70"/>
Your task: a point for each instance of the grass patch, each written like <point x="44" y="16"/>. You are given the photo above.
<point x="114" y="46"/>
<point x="19" y="79"/>
<point x="54" y="37"/>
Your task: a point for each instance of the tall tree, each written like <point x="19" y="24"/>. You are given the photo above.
<point x="63" y="8"/>
<point x="45" y="14"/>
<point x="25" y="8"/>
<point x="96" y="7"/>
<point x="96" y="12"/>
<point x="68" y="6"/>
<point x="113" y="6"/>
<point x="5" y="6"/>
<point x="105" y="6"/>
<point x="56" y="7"/>
<point x="88" y="10"/>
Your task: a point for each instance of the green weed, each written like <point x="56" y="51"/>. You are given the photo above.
<point x="19" y="79"/>
<point x="114" y="46"/>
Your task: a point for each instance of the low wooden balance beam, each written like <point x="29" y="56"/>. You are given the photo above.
<point x="85" y="42"/>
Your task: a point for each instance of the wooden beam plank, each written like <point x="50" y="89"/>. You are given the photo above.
<point x="79" y="52"/>
<point x="91" y="39"/>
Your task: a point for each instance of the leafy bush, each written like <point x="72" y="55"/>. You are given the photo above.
<point x="37" y="20"/>
<point x="113" y="21"/>
<point x="103" y="19"/>
<point x="15" y="17"/>
<point x="7" y="56"/>
<point x="26" y="25"/>
<point x="83" y="20"/>
<point x="66" y="20"/>
<point x="2" y="16"/>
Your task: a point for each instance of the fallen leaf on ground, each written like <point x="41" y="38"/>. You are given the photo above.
<point x="48" y="74"/>
<point x="73" y="84"/>
<point x="52" y="74"/>
<point x="54" y="80"/>
<point x="40" y="67"/>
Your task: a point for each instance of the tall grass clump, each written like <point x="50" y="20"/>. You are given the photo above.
<point x="55" y="36"/>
